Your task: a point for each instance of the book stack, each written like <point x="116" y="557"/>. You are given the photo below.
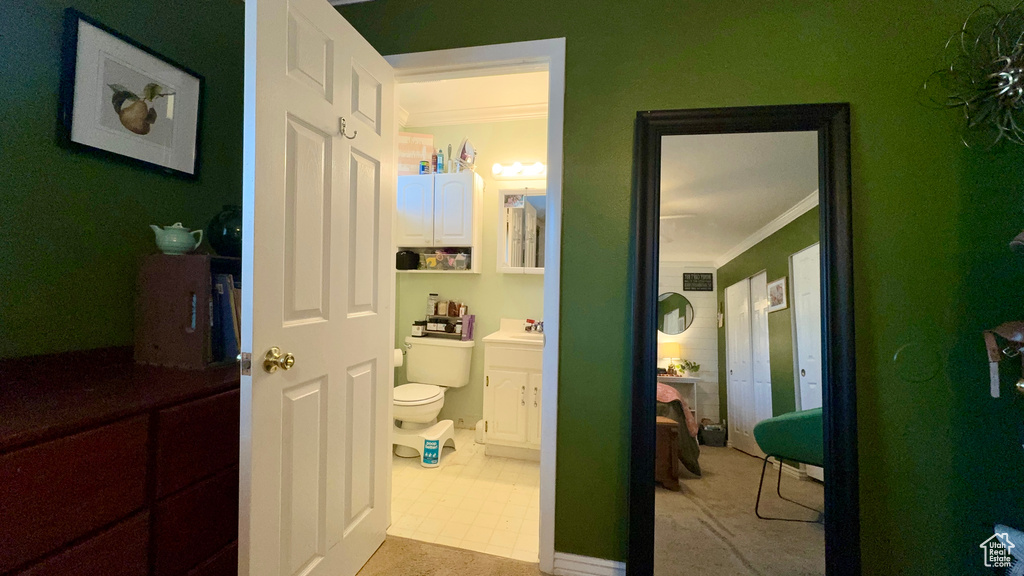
<point x="225" y="317"/>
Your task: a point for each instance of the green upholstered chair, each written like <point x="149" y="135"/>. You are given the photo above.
<point x="796" y="436"/>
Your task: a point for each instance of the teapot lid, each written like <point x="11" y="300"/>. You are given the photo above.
<point x="175" y="225"/>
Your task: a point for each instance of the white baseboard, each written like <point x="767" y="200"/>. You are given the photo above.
<point x="789" y="470"/>
<point x="574" y="565"/>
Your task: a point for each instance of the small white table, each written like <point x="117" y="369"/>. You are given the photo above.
<point x="687" y="387"/>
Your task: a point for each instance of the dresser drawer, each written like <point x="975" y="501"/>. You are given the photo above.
<point x="195" y="523"/>
<point x="195" y="440"/>
<point x="53" y="493"/>
<point x="224" y="563"/>
<point x="119" y="551"/>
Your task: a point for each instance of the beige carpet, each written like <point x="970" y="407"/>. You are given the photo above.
<point x="403" y="557"/>
<point x="709" y="527"/>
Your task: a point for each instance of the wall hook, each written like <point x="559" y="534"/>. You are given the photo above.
<point x="341" y="129"/>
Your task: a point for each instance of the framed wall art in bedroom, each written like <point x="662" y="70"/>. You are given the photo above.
<point x="122" y="100"/>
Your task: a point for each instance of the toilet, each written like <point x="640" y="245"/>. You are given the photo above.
<point x="432" y="366"/>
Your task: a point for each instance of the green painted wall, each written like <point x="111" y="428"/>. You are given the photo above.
<point x="931" y="221"/>
<point x="72" y="226"/>
<point x="489" y="295"/>
<point x="771" y="255"/>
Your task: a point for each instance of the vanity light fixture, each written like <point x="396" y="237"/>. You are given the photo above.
<point x="519" y="170"/>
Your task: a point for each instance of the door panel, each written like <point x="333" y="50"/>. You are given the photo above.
<point x="507" y="414"/>
<point x="414" y="224"/>
<point x="807" y="319"/>
<point x="317" y="210"/>
<point x="533" y="405"/>
<point x="738" y="358"/>
<point x="453" y="209"/>
<point x="760" y="350"/>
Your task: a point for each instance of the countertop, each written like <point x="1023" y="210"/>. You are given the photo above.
<point x="511" y="331"/>
<point x="43" y="397"/>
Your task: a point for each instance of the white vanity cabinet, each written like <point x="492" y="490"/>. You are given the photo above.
<point x="512" y="396"/>
<point x="439" y="210"/>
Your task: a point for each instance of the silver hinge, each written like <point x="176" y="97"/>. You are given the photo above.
<point x="245" y="363"/>
<point x="487" y="380"/>
<point x="485" y="425"/>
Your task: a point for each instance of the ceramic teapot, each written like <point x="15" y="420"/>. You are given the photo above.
<point x="176" y="239"/>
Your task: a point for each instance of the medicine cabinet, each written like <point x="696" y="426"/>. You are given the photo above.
<point x="521" y="227"/>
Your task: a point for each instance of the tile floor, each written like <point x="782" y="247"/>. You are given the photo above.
<point x="470" y="501"/>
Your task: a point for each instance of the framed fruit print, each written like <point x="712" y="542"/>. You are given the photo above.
<point x="121" y="99"/>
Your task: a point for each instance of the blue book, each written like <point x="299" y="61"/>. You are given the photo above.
<point x="224" y="323"/>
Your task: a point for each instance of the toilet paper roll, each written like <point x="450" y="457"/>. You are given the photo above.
<point x="399" y="359"/>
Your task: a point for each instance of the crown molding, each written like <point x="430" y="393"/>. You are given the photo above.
<point x="403" y="117"/>
<point x="478" y="115"/>
<point x="770" y="228"/>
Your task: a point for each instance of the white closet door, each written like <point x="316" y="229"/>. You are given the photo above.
<point x="739" y="381"/>
<point x="807" y="319"/>
<point x="760" y="350"/>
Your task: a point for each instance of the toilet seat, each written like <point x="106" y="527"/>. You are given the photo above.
<point x="415" y="394"/>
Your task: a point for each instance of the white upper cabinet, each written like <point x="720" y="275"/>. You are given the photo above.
<point x="414" y="225"/>
<point x="439" y="210"/>
<point x="453" y="209"/>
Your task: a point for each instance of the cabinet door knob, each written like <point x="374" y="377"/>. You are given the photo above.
<point x="803" y="372"/>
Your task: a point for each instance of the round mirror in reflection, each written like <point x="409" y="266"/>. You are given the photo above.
<point x="675" y="313"/>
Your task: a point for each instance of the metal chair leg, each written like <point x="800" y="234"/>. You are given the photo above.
<point x="778" y="490"/>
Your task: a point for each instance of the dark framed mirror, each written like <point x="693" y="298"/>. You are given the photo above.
<point x="831" y="122"/>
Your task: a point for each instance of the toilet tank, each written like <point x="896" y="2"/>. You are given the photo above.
<point x="438" y="361"/>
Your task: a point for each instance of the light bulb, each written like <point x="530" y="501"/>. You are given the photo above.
<point x="496" y="169"/>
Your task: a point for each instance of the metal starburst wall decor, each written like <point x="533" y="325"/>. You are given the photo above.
<point x="981" y="72"/>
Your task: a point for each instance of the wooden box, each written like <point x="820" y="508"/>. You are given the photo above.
<point x="173" y="307"/>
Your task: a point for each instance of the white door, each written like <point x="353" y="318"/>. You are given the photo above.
<point x="505" y="405"/>
<point x="807" y="320"/>
<point x="739" y="380"/>
<point x="533" y="409"/>
<point x="760" y="349"/>
<point x="414" y="211"/>
<point x="317" y="270"/>
<point x="453" y="209"/>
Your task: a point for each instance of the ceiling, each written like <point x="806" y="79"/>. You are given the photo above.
<point x="724" y="188"/>
<point x="477" y="99"/>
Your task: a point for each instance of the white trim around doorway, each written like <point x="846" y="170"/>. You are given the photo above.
<point x="507" y="58"/>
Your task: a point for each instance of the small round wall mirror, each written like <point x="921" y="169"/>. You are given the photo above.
<point x="675" y="313"/>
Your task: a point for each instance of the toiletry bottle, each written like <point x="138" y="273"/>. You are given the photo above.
<point x="433" y="163"/>
<point x="440" y="161"/>
<point x="432" y="304"/>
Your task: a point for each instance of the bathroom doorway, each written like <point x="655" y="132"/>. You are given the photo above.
<point x="498" y="496"/>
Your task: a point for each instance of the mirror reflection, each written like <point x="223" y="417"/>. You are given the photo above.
<point x="521" y="231"/>
<point x="739" y="375"/>
<point x="675" y="313"/>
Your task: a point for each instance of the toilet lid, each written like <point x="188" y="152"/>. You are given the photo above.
<point x="415" y="394"/>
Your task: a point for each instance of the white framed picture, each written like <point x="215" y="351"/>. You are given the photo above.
<point x="777" y="295"/>
<point x="121" y="99"/>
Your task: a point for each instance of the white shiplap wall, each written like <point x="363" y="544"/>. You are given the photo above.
<point x="700" y="341"/>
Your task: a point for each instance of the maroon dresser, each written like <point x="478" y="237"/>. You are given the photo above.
<point x="108" y="468"/>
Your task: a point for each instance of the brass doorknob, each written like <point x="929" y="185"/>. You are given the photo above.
<point x="274" y="360"/>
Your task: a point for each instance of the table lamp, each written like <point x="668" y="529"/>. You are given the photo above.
<point x="670" y="351"/>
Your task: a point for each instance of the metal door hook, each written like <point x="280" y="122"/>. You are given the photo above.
<point x="341" y="129"/>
